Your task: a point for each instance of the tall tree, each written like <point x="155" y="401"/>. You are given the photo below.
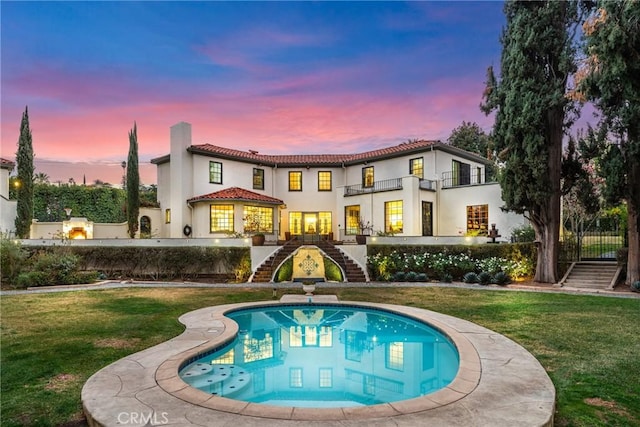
<point x="611" y="80"/>
<point x="133" y="183"/>
<point x="24" y="158"/>
<point x="469" y="136"/>
<point x="531" y="116"/>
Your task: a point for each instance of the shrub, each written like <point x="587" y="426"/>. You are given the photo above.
<point x="285" y="272"/>
<point x="446" y="278"/>
<point x="501" y="278"/>
<point x="32" y="279"/>
<point x="484" y="278"/>
<point x="523" y="234"/>
<point x="635" y="286"/>
<point x="411" y="276"/>
<point x="422" y="277"/>
<point x="13" y="260"/>
<point x="470" y="277"/>
<point x="398" y="276"/>
<point x="332" y="271"/>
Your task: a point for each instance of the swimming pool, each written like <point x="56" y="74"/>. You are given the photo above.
<point x="319" y="356"/>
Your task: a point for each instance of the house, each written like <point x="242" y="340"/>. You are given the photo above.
<point x="418" y="190"/>
<point x="8" y="208"/>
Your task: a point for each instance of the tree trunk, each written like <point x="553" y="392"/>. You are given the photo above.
<point x="633" y="208"/>
<point x="547" y="223"/>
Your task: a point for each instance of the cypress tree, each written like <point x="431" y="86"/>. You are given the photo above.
<point x="133" y="183"/>
<point x="24" y="158"/>
<point x="611" y="79"/>
<point x="531" y="105"/>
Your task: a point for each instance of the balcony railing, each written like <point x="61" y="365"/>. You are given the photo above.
<point x="378" y="186"/>
<point x="470" y="177"/>
<point x="427" y="184"/>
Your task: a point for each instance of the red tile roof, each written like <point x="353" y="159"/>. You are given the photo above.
<point x="236" y="194"/>
<point x="6" y="164"/>
<point x="311" y="159"/>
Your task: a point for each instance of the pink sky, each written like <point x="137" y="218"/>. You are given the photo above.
<point x="277" y="77"/>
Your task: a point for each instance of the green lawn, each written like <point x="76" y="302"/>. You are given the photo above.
<point x="51" y="343"/>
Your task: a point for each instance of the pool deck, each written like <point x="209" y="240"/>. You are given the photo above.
<point x="499" y="383"/>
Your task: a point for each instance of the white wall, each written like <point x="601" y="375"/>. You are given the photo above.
<point x="452" y="214"/>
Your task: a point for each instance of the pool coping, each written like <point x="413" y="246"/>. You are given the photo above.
<point x="498" y="381"/>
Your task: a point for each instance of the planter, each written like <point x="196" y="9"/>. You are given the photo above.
<point x="308" y="288"/>
<point x="257" y="240"/>
<point x="361" y="239"/>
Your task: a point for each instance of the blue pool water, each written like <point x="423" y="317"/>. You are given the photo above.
<point x="325" y="356"/>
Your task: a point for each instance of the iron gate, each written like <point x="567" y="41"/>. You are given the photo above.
<point x="595" y="239"/>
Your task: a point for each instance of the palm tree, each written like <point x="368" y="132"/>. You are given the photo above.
<point x="41" y="178"/>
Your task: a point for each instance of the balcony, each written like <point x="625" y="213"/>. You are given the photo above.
<point x="386" y="185"/>
<point x="466" y="177"/>
<point x="377" y="187"/>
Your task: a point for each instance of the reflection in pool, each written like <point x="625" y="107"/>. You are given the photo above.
<point x="325" y="356"/>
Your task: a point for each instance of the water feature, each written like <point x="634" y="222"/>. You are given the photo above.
<point x="314" y="356"/>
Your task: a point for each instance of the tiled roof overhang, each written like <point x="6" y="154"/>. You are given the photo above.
<point x="236" y="194"/>
<point x="6" y="164"/>
<point x="328" y="160"/>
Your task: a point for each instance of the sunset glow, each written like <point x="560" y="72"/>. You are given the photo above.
<point x="277" y="77"/>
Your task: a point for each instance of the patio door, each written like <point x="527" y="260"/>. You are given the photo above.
<point x="310" y="227"/>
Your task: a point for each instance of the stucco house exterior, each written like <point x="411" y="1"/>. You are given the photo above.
<point x="8" y="208"/>
<point x="418" y="190"/>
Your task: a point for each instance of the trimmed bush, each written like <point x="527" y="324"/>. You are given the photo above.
<point x="635" y="286"/>
<point x="332" y="271"/>
<point x="422" y="277"/>
<point x="285" y="272"/>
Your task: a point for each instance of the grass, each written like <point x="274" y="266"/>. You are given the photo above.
<point x="52" y="343"/>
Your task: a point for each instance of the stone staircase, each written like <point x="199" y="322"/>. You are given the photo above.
<point x="591" y="275"/>
<point x="352" y="271"/>
<point x="265" y="272"/>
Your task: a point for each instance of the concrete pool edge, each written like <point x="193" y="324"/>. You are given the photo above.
<point x="498" y="383"/>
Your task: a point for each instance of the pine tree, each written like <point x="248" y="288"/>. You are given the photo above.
<point x="133" y="183"/>
<point x="531" y="115"/>
<point x="611" y="79"/>
<point x="24" y="158"/>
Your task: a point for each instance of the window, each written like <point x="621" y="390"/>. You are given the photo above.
<point x="324" y="181"/>
<point x="295" y="222"/>
<point x="393" y="216"/>
<point x="167" y="216"/>
<point x="416" y="167"/>
<point x="258" y="219"/>
<point x="352" y="219"/>
<point x="395" y="356"/>
<point x="367" y="176"/>
<point x="295" y="377"/>
<point x="221" y="219"/>
<point x="258" y="179"/>
<point x="461" y="173"/>
<point x="226" y="359"/>
<point x="478" y="220"/>
<point x="295" y="181"/>
<point x="215" y="172"/>
<point x="324" y="222"/>
<point x="326" y="377"/>
<point x="254" y="349"/>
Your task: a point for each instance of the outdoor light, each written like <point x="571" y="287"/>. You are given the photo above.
<point x="68" y="212"/>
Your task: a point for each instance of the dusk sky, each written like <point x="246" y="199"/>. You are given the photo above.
<point x="277" y="77"/>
